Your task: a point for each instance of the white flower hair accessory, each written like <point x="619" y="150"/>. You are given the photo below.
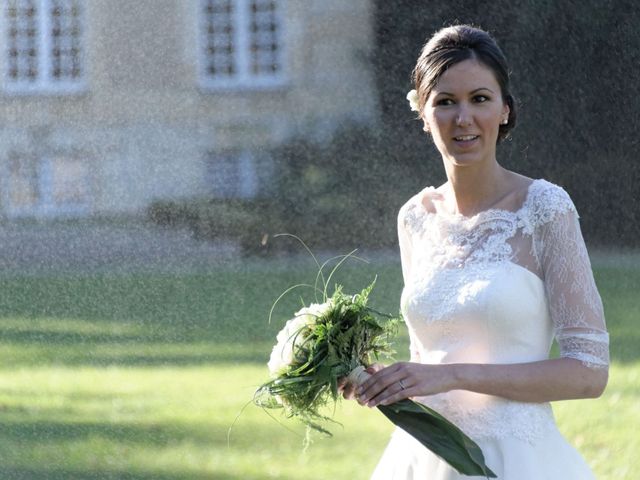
<point x="412" y="96"/>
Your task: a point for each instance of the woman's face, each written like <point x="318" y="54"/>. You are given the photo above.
<point x="464" y="112"/>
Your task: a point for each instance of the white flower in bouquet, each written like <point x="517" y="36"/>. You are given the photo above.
<point x="293" y="335"/>
<point x="314" y="311"/>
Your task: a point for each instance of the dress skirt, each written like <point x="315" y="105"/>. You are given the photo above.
<point x="549" y="458"/>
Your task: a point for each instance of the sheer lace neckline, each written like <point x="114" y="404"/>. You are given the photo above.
<point x="481" y="215"/>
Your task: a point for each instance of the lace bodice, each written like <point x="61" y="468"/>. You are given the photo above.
<point x="498" y="287"/>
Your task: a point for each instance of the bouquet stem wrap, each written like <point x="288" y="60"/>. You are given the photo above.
<point x="358" y="376"/>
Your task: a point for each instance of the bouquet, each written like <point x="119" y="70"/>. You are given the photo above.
<point x="338" y="338"/>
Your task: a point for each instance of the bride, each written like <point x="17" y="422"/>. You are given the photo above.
<point x="495" y="268"/>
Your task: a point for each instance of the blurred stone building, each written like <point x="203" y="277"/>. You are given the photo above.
<point x="107" y="105"/>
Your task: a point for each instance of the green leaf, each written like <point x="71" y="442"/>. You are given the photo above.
<point x="439" y="435"/>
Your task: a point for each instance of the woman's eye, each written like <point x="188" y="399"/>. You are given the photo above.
<point x="480" y="98"/>
<point x="444" y="101"/>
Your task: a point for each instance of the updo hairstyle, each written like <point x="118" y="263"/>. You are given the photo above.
<point x="455" y="44"/>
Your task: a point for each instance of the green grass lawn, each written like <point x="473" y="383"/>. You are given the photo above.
<point x="140" y="377"/>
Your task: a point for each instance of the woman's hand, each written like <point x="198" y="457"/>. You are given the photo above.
<point x="348" y="389"/>
<point x="404" y="380"/>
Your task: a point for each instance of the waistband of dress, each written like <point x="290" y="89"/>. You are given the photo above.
<point x="497" y="418"/>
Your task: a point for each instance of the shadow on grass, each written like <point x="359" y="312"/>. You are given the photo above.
<point x="19" y="430"/>
<point x="43" y="336"/>
<point x="37" y="432"/>
<point x="29" y="436"/>
<point x="132" y="354"/>
<point x="18" y="473"/>
<point x="181" y="320"/>
<point x="227" y="310"/>
<point x="26" y="473"/>
<point x="93" y="313"/>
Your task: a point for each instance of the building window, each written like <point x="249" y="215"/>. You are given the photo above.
<point x="238" y="173"/>
<point x="43" y="46"/>
<point x="241" y="43"/>
<point x="51" y="186"/>
<point x="23" y="184"/>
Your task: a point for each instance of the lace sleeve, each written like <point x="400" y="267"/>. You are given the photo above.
<point x="404" y="240"/>
<point x="574" y="302"/>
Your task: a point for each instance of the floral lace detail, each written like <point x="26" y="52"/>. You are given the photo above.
<point x="454" y="245"/>
<point x="591" y="347"/>
<point x="544" y="202"/>
<point x="525" y="421"/>
<point x="412" y="218"/>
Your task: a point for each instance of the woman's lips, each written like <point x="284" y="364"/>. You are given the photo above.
<point x="465" y="140"/>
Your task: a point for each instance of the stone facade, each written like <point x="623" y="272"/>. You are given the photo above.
<point x="144" y="123"/>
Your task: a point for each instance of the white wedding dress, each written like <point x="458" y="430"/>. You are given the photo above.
<point x="497" y="288"/>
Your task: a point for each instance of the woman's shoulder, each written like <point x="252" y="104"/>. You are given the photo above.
<point x="424" y="200"/>
<point x="545" y="195"/>
<point x="419" y="204"/>
<point x="545" y="201"/>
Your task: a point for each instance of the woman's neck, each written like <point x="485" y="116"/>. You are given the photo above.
<point x="472" y="189"/>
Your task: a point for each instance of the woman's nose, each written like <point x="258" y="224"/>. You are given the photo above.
<point x="463" y="117"/>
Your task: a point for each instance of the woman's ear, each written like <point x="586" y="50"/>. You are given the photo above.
<point x="505" y="114"/>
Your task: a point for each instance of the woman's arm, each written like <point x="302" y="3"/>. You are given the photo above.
<point x="542" y="381"/>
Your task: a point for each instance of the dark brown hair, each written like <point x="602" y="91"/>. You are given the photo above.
<point x="455" y="44"/>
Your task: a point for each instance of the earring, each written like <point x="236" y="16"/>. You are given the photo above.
<point x="505" y="121"/>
